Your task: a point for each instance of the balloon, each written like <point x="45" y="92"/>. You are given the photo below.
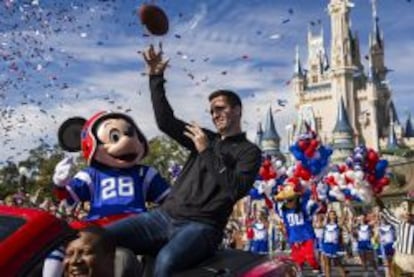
<point x="314" y="143"/>
<point x="254" y="194"/>
<point x="372" y="156"/>
<point x="384" y="181"/>
<point x="309" y="152"/>
<point x="303" y="144"/>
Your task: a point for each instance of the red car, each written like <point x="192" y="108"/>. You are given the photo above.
<point x="28" y="235"/>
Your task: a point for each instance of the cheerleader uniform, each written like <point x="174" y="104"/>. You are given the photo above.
<point x="387" y="238"/>
<point x="260" y="243"/>
<point x="364" y="238"/>
<point x="330" y="240"/>
<point x="319" y="237"/>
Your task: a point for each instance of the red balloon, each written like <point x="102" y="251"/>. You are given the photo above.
<point x="314" y="143"/>
<point x="303" y="144"/>
<point x="305" y="174"/>
<point x="272" y="173"/>
<point x="373" y="156"/>
<point x="266" y="163"/>
<point x="371" y="178"/>
<point x="310" y="152"/>
<point x="384" y="181"/>
<point x="377" y="190"/>
<point x="154" y="18"/>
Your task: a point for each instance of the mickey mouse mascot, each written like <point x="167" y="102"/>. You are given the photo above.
<point x="113" y="182"/>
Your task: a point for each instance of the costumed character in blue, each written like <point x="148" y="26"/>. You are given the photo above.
<point x="114" y="182"/>
<point x="331" y="244"/>
<point x="296" y="208"/>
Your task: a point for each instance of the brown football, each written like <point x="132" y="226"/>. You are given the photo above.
<point x="154" y="18"/>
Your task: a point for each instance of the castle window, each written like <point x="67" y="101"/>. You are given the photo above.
<point x="314" y="79"/>
<point x="318" y="121"/>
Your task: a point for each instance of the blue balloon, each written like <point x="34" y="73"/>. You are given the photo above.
<point x="255" y="195"/>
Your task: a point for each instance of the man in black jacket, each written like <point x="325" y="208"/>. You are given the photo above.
<point x="221" y="168"/>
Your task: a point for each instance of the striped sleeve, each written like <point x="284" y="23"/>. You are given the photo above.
<point x="405" y="239"/>
<point x="390" y="218"/>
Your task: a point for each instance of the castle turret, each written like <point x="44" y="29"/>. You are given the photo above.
<point x="392" y="138"/>
<point x="343" y="142"/>
<point x="259" y="134"/>
<point x="298" y="80"/>
<point x="408" y="128"/>
<point x="376" y="46"/>
<point x="270" y="140"/>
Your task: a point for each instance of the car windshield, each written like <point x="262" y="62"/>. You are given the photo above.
<point x="9" y="225"/>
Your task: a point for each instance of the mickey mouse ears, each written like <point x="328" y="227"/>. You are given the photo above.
<point x="69" y="134"/>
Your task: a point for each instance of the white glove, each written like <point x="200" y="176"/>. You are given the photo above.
<point x="62" y="176"/>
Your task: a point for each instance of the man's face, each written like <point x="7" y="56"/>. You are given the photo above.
<point x="406" y="211"/>
<point x="223" y="115"/>
<point x="84" y="257"/>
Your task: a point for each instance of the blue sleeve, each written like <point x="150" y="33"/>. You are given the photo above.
<point x="308" y="206"/>
<point x="158" y="189"/>
<point x="80" y="186"/>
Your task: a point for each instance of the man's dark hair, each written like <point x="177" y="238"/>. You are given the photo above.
<point x="104" y="239"/>
<point x="232" y="98"/>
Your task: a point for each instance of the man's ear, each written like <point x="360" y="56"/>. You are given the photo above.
<point x="238" y="110"/>
<point x="69" y="134"/>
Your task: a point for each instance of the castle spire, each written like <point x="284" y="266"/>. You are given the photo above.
<point x="270" y="139"/>
<point x="408" y="130"/>
<point x="376" y="36"/>
<point x="392" y="138"/>
<point x="270" y="132"/>
<point x="343" y="141"/>
<point x="342" y="123"/>
<point x="298" y="67"/>
<point x="259" y="134"/>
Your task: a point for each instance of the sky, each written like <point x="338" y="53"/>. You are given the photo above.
<point x="61" y="59"/>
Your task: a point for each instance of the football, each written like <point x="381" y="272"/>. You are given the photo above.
<point x="154" y="19"/>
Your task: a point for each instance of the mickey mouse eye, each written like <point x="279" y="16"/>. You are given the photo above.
<point x="114" y="135"/>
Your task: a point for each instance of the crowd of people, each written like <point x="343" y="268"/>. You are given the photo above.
<point x="343" y="234"/>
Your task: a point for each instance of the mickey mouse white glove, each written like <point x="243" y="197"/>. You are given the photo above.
<point x="63" y="169"/>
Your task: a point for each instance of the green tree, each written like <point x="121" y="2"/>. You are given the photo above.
<point x="163" y="153"/>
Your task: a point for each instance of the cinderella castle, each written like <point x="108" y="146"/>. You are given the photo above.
<point x="346" y="103"/>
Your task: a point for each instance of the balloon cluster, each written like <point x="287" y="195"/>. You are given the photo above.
<point x="375" y="169"/>
<point x="312" y="155"/>
<point x="272" y="174"/>
<point x="343" y="183"/>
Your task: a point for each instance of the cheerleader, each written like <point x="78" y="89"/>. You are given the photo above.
<point x="318" y="226"/>
<point x="331" y="245"/>
<point x="387" y="238"/>
<point x="364" y="233"/>
<point x="260" y="237"/>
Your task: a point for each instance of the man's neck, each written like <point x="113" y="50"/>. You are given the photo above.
<point x="231" y="133"/>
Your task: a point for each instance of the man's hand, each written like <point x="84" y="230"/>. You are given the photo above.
<point x="196" y="134"/>
<point x="379" y="202"/>
<point x="156" y="65"/>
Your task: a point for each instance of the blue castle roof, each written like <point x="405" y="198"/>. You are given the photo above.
<point x="270" y="132"/>
<point x="342" y="123"/>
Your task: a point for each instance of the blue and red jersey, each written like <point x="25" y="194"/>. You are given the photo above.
<point x="298" y="221"/>
<point x="114" y="191"/>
